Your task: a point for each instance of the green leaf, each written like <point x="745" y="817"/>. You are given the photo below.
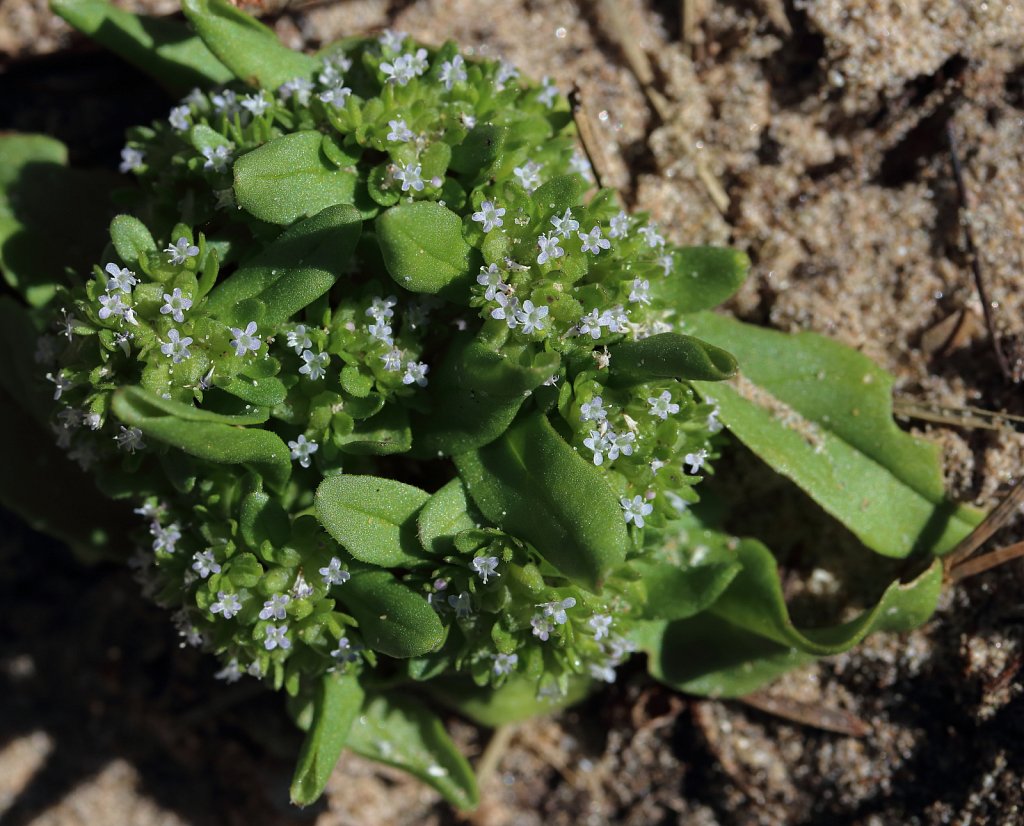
<point x="393" y="618"/>
<point x="161" y="47"/>
<point x="52" y="218"/>
<point x="138" y="397"/>
<point x="403" y="734"/>
<point x="555" y="196"/>
<point x="245" y="46"/>
<point x="444" y="515"/>
<point x="293" y="271"/>
<point x="820" y="414"/>
<point x="512" y="702"/>
<point x="336" y="705"/>
<point x="701" y="278"/>
<point x="373" y="518"/>
<point x="264" y="392"/>
<point x="263" y="517"/>
<point x="668" y="356"/>
<point x="753" y="635"/>
<point x="131" y="239"/>
<point x="481" y="153"/>
<point x="535" y="486"/>
<point x="290" y="177"/>
<point x="384" y="434"/>
<point x="204" y="434"/>
<point x="476" y="393"/>
<point x="424" y="250"/>
<point x="675" y="592"/>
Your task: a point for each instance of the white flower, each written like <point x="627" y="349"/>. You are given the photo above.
<point x="175" y="304"/>
<point x="542" y="628"/>
<point x="121" y="278"/>
<point x="556" y="610"/>
<point x="593" y="410"/>
<point x="506" y="310"/>
<point x="178" y="118"/>
<point x="381" y="331"/>
<point x="590" y="324"/>
<point x="620" y="442"/>
<point x="299" y="340"/>
<point x="415" y="372"/>
<point x="333" y="574"/>
<point x="391" y="40"/>
<point x="122" y="339"/>
<point x="531" y="317"/>
<point x="401" y="70"/>
<point x="256" y="104"/>
<point x="462" y="604"/>
<point x="299" y="88"/>
<point x="599" y="624"/>
<point x="111" y="305"/>
<point x="485" y="566"/>
<point x="400" y="133"/>
<point x="227" y="605"/>
<point x="579" y="164"/>
<point x="195" y="98"/>
<point x="636" y="509"/>
<point x="335" y="95"/>
<point x="505" y="663"/>
<point x="165" y="539"/>
<point x="615" y="319"/>
<point x="696" y="460"/>
<point x="85" y="454"/>
<point x="392" y="360"/>
<point x="245" y="340"/>
<point x="132" y="159"/>
<point x="176" y="347"/>
<point x="666" y="263"/>
<point x="303" y="450"/>
<point x="181" y="250"/>
<point x="345" y="652"/>
<point x="276" y="607"/>
<point x="333" y="71"/>
<point x="217" y="157"/>
<point x="528" y="175"/>
<point x="712" y="421"/>
<point x="410" y="176"/>
<point x="453" y="71"/>
<point x="549" y="249"/>
<point x="506" y="72"/>
<point x="489" y="215"/>
<point x="225" y="102"/>
<point x="651" y="236"/>
<point x="548" y="92"/>
<point x="640" y="292"/>
<point x="382" y="308"/>
<point x="315" y="365"/>
<point x="566" y="225"/>
<point x="490" y="277"/>
<point x="600" y="443"/>
<point x="204" y="563"/>
<point x="619" y="225"/>
<point x="300" y="588"/>
<point x="93" y="420"/>
<point x="130" y="439"/>
<point x="663" y="406"/>
<point x="277" y="637"/>
<point x="602" y="671"/>
<point x="593" y="241"/>
<point x="232" y="672"/>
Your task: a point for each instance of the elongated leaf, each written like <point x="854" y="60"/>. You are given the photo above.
<point x="676" y="593"/>
<point x="476" y="394"/>
<point x="535" y="486"/>
<point x="402" y="733"/>
<point x="821" y="414"/>
<point x="424" y="250"/>
<point x="245" y="46"/>
<point x="512" y="702"/>
<point x="44" y="229"/>
<point x="747" y="637"/>
<point x="444" y="515"/>
<point x="393" y="618"/>
<point x="301" y="265"/>
<point x="163" y="48"/>
<point x="383" y="434"/>
<point x="373" y="518"/>
<point x="137" y="396"/>
<point x="205" y="437"/>
<point x="264" y="393"/>
<point x="701" y="278"/>
<point x="338" y="701"/>
<point x="668" y="356"/>
<point x="290" y="177"/>
<point x="131" y="239"/>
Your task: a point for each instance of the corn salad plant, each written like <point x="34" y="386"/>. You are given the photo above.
<point x="395" y="410"/>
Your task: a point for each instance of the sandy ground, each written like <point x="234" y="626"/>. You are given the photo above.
<point x="814" y="136"/>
